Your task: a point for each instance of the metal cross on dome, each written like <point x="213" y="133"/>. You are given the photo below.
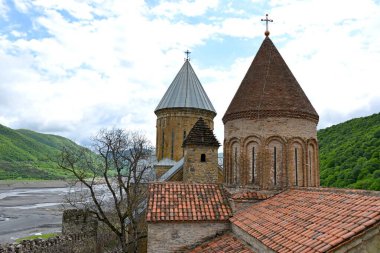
<point x="267" y="20"/>
<point x="187" y="52"/>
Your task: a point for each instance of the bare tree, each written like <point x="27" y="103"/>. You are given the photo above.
<point x="113" y="174"/>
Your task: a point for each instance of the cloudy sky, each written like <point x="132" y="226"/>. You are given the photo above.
<point x="73" y="67"/>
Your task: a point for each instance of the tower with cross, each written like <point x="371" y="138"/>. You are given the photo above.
<point x="184" y="102"/>
<point x="270" y="135"/>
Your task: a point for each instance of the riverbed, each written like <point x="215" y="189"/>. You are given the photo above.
<point x="30" y="208"/>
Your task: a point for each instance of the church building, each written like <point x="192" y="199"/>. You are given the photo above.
<point x="267" y="197"/>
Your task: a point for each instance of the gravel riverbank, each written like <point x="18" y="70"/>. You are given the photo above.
<point x="30" y="208"/>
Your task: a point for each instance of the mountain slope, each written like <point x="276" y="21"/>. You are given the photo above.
<point x="350" y="154"/>
<point x="25" y="154"/>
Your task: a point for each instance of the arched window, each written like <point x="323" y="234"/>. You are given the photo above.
<point x="250" y="164"/>
<point x="253" y="165"/>
<point x="203" y="158"/>
<point x="276" y="148"/>
<point x="274" y="165"/>
<point x="296" y="169"/>
<point x="235" y="163"/>
<point x="296" y="165"/>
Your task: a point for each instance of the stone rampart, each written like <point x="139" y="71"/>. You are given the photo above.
<point x="74" y="243"/>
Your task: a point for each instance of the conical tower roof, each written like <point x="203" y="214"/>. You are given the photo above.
<point x="269" y="89"/>
<point x="186" y="91"/>
<point x="201" y="135"/>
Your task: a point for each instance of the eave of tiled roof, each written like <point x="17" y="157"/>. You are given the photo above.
<point x="309" y="221"/>
<point x="186" y="91"/>
<point x="186" y="202"/>
<point x="226" y="243"/>
<point x="201" y="135"/>
<point x="269" y="89"/>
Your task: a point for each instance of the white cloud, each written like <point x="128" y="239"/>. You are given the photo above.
<point x="333" y="56"/>
<point x="22" y="5"/>
<point x="184" y="7"/>
<point x="89" y="72"/>
<point x="3" y="10"/>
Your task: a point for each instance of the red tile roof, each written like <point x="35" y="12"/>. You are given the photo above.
<point x="307" y="220"/>
<point x="187" y="202"/>
<point x="226" y="243"/>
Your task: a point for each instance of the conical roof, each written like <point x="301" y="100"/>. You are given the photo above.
<point x="269" y="89"/>
<point x="201" y="135"/>
<point x="186" y="91"/>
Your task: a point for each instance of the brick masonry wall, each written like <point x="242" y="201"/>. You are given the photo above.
<point x="200" y="172"/>
<point x="286" y="134"/>
<point x="164" y="237"/>
<point x="173" y="123"/>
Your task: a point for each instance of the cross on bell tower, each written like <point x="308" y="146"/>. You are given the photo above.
<point x="267" y="20"/>
<point x="187" y="52"/>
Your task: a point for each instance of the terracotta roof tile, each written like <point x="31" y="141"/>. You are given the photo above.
<point x="226" y="243"/>
<point x="269" y="89"/>
<point x="309" y="220"/>
<point x="187" y="202"/>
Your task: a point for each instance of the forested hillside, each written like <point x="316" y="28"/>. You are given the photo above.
<point x="350" y="154"/>
<point x="25" y="154"/>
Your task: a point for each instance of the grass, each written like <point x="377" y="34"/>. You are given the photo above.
<point x="43" y="236"/>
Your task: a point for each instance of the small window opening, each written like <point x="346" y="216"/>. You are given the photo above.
<point x="203" y="157"/>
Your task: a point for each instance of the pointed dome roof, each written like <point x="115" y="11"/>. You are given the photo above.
<point x="269" y="89"/>
<point x="186" y="91"/>
<point x="201" y="135"/>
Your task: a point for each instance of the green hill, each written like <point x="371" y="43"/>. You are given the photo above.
<point x="25" y="154"/>
<point x="350" y="154"/>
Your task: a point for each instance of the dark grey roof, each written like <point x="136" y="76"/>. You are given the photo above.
<point x="201" y="135"/>
<point x="186" y="91"/>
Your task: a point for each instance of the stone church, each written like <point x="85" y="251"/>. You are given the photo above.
<point x="267" y="197"/>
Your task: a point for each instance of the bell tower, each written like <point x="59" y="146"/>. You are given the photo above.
<point x="183" y="104"/>
<point x="270" y="134"/>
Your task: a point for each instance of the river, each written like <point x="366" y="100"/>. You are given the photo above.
<point x="30" y="211"/>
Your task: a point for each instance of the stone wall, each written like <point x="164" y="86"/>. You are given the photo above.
<point x="166" y="237"/>
<point x="254" y="244"/>
<point x="161" y="170"/>
<point x="367" y="242"/>
<point x="75" y="243"/>
<point x="271" y="153"/>
<point x="196" y="171"/>
<point x="173" y="125"/>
